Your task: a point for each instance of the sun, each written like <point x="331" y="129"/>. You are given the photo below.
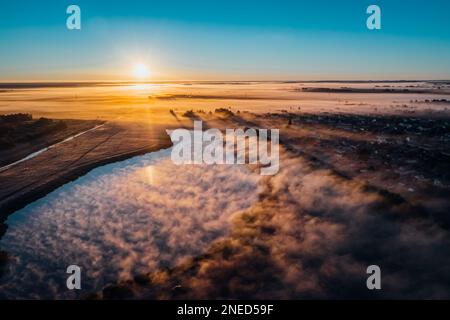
<point x="141" y="71"/>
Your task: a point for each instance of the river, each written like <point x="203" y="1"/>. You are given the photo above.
<point x="120" y="220"/>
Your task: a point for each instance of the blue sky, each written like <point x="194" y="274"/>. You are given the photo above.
<point x="225" y="40"/>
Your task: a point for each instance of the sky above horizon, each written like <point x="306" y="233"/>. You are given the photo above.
<point x="224" y="40"/>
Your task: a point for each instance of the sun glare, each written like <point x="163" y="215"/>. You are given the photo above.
<point x="141" y="71"/>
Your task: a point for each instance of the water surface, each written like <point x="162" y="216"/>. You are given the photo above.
<point x="119" y="220"/>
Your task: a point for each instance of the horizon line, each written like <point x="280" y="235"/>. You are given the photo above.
<point x="62" y="83"/>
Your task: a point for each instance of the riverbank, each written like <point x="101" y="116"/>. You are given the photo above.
<point x="115" y="141"/>
<point x="22" y="135"/>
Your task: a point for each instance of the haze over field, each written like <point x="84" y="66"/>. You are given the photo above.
<point x="152" y="101"/>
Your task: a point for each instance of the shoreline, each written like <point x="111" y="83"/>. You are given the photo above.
<point x="46" y="148"/>
<point x="37" y="189"/>
<point x="21" y="201"/>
